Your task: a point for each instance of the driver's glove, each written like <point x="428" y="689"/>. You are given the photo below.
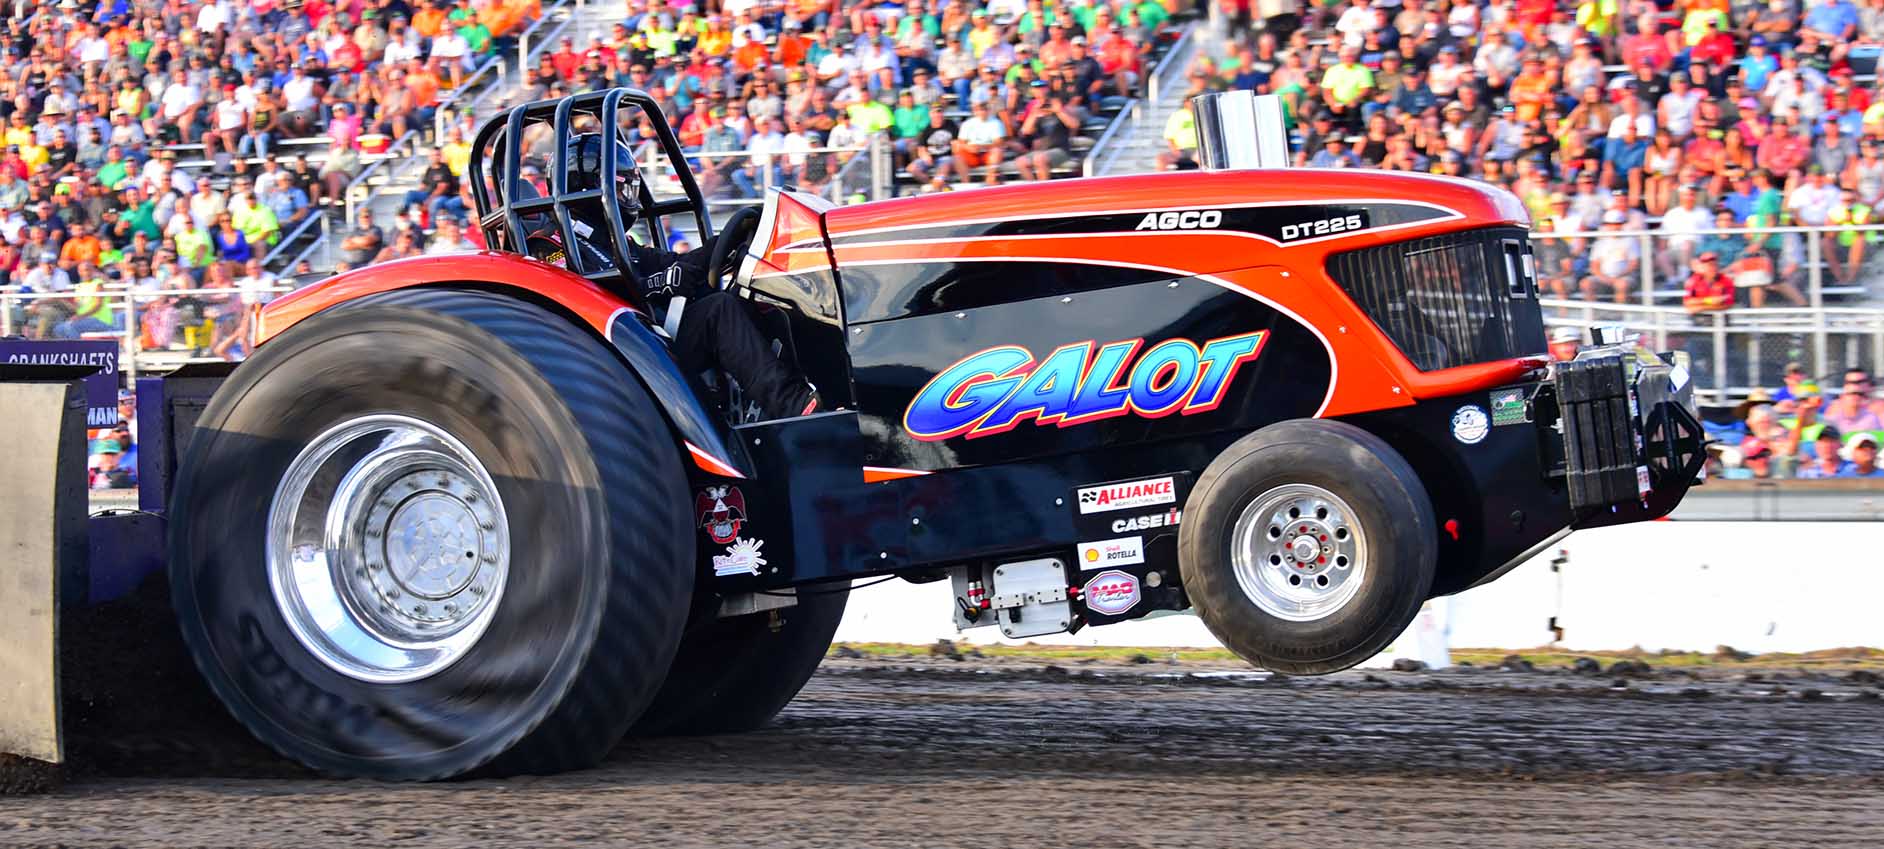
<point x="667" y="282"/>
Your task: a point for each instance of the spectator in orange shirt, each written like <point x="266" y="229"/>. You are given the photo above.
<point x="1532" y="90"/>
<point x="81" y="247"/>
<point x="500" y="17"/>
<point x="429" y="20"/>
<point x="423" y="83"/>
<point x="792" y="45"/>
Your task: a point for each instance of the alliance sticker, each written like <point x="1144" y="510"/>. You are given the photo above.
<point x="1470" y="424"/>
<point x="741" y="558"/>
<point x="1507" y="408"/>
<point x="1112" y="592"/>
<point x="1105" y="553"/>
<point x="720" y="511"/>
<point x="1127" y="495"/>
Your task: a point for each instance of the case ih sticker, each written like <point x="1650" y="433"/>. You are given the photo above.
<point x="1111" y="592"/>
<point x="1167" y="519"/>
<point x="995" y="390"/>
<point x="741" y="558"/>
<point x="720" y="511"/>
<point x="1127" y="495"/>
<point x="1124" y="551"/>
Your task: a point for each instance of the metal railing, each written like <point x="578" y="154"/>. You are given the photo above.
<point x="1128" y="117"/>
<point x="127" y="327"/>
<point x="1175" y="59"/>
<point x="392" y="155"/>
<point x="1658" y="254"/>
<point x="314" y="221"/>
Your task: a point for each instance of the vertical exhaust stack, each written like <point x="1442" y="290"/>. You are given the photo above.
<point x="1240" y="129"/>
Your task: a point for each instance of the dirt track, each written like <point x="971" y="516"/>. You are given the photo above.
<point x="927" y="752"/>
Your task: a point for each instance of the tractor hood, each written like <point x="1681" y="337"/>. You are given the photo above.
<point x="1479" y="204"/>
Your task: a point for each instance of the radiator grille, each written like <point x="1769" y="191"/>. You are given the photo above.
<point x="1449" y="300"/>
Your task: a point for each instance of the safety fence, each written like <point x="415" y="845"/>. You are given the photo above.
<point x="1792" y="266"/>
<point x="157" y="329"/>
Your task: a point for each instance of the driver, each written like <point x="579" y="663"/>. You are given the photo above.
<point x="716" y="331"/>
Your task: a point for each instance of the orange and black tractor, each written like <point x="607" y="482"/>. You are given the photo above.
<point x="469" y="514"/>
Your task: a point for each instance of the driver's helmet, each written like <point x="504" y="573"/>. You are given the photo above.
<point x="585" y="171"/>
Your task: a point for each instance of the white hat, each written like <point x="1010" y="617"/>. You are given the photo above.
<point x="1854" y="440"/>
<point x="1565" y="334"/>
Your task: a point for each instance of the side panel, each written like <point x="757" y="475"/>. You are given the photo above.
<point x="812" y="319"/>
<point x="1491" y="483"/>
<point x="1159" y="361"/>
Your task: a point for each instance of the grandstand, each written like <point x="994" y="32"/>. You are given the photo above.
<point x="1643" y="138"/>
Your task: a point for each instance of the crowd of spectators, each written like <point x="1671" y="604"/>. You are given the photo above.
<point x="1803" y="431"/>
<point x="1674" y="117"/>
<point x="162" y="147"/>
<point x="771" y="93"/>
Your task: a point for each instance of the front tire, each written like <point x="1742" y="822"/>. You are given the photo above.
<point x="429" y="533"/>
<point x="1308" y="546"/>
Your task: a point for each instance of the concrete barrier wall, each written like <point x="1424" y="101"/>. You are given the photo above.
<point x="42" y="531"/>
<point x="1756" y="586"/>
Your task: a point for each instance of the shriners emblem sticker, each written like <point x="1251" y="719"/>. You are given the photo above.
<point x="721" y="512"/>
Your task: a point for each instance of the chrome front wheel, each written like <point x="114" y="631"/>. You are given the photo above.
<point x="1297" y="552"/>
<point x="388" y="548"/>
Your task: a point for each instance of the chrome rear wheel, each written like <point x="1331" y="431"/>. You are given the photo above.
<point x="388" y="548"/>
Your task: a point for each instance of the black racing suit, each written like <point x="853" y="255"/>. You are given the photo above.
<point x="717" y="331"/>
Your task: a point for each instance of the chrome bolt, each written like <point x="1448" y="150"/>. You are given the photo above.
<point x="487" y="524"/>
<point x="477" y="591"/>
<point x="418" y="610"/>
<point x="470" y="498"/>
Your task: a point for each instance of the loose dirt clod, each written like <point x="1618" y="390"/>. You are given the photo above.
<point x="20" y="776"/>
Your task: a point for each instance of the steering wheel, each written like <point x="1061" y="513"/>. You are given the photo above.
<point x="733" y="240"/>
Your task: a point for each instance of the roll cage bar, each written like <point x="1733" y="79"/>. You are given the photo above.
<point x="496" y="161"/>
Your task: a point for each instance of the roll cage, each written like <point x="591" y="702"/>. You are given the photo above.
<point x="506" y="203"/>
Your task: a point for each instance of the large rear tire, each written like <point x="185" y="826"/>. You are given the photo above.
<point x="430" y="533"/>
<point x="1308" y="546"/>
<point x="736" y="674"/>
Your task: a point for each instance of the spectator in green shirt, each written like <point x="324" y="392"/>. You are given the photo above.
<point x="1151" y="15"/>
<point x="140" y="216"/>
<point x="256" y="221"/>
<point x="871" y="116"/>
<point x="911" y="118"/>
<point x="113" y="171"/>
<point x="194" y="250"/>
<point x="1344" y="87"/>
<point x="476" y="36"/>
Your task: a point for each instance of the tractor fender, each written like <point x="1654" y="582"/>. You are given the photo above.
<point x="706" y="438"/>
